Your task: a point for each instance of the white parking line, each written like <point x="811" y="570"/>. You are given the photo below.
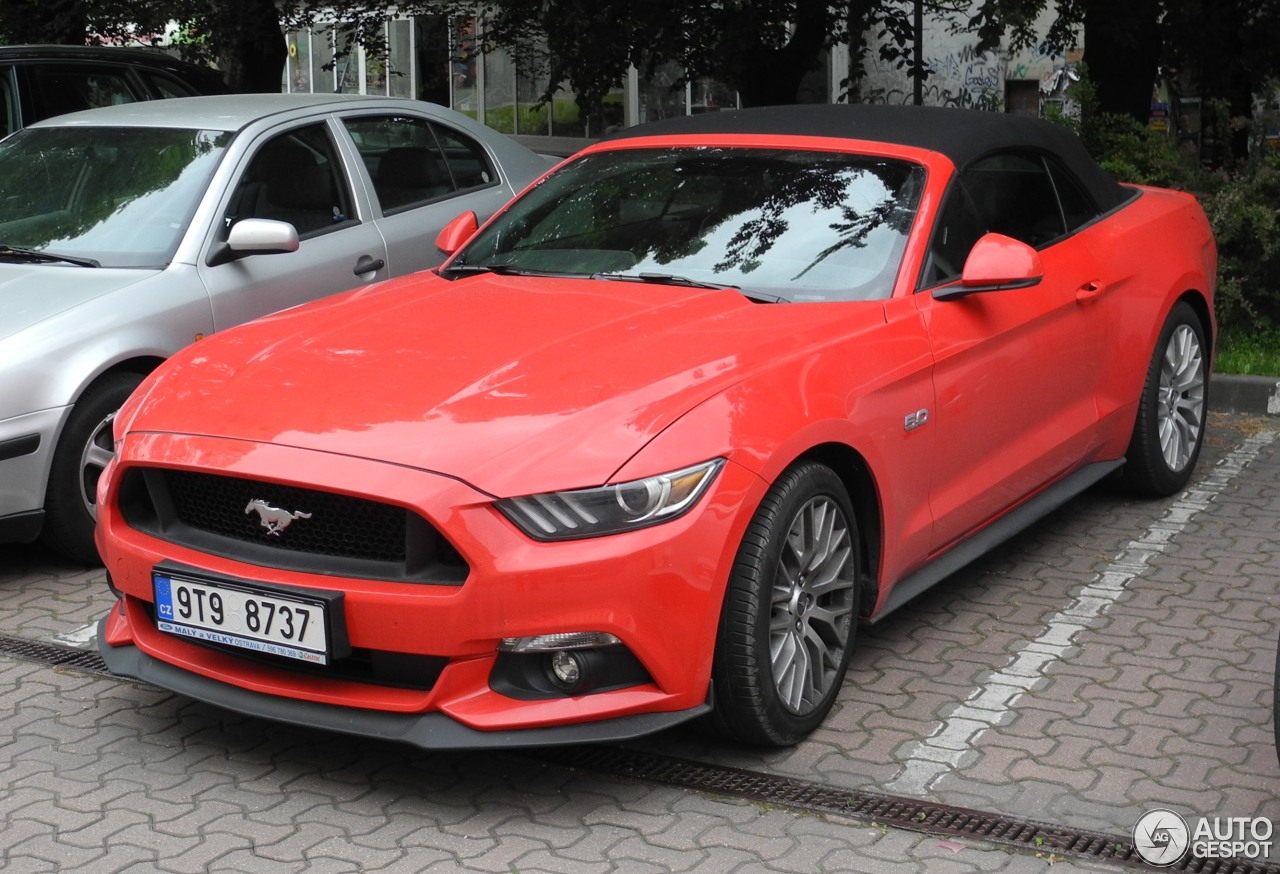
<point x="992" y="703"/>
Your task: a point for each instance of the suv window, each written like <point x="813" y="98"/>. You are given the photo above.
<point x="9" y="117"/>
<point x="56" y="90"/>
<point x="167" y="86"/>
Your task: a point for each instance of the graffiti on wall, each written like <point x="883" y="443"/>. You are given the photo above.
<point x="963" y="78"/>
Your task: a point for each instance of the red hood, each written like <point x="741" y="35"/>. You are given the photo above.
<point x="513" y="384"/>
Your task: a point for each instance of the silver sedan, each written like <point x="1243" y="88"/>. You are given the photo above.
<point x="130" y="231"/>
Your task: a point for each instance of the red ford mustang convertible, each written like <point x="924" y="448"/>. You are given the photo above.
<point x="657" y="438"/>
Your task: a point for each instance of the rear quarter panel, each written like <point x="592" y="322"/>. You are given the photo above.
<point x="1155" y="250"/>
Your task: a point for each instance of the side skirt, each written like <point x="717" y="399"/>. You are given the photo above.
<point x="1039" y="506"/>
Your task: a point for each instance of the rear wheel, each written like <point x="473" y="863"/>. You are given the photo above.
<point x="790" y="612"/>
<point x="1170" y="427"/>
<point x="83" y="452"/>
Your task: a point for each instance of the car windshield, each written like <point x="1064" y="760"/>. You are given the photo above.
<point x="117" y="196"/>
<point x="785" y="225"/>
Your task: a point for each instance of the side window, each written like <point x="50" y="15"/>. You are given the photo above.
<point x="468" y="162"/>
<point x="1078" y="207"/>
<point x="958" y="228"/>
<point x="1014" y="196"/>
<point x="56" y="90"/>
<point x="403" y="159"/>
<point x="167" y="86"/>
<point x="297" y="178"/>
<point x="9" y="113"/>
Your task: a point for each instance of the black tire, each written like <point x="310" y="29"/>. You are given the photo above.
<point x="1275" y="703"/>
<point x="790" y="612"/>
<point x="83" y="451"/>
<point x="1169" y="430"/>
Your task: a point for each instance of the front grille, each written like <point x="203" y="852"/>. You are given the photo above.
<point x="333" y="525"/>
<point x="287" y="527"/>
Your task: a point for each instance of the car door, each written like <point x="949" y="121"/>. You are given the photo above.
<point x="424" y="173"/>
<point x="1016" y="370"/>
<point x="297" y="176"/>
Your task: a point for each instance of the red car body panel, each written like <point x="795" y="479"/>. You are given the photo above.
<point x="441" y="396"/>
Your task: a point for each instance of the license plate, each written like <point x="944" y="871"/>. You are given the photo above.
<point x="243" y="615"/>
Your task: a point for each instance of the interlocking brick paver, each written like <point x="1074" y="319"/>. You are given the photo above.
<point x="1151" y="687"/>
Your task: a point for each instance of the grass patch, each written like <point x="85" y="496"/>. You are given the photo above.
<point x="1251" y="353"/>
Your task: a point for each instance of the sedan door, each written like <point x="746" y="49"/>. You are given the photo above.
<point x="424" y="173"/>
<point x="1016" y="370"/>
<point x="296" y="176"/>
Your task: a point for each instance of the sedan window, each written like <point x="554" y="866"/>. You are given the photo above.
<point x="121" y="196"/>
<point x="469" y="164"/>
<point x="296" y="178"/>
<point x="403" y="159"/>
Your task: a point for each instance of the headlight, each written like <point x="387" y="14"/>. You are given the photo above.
<point x="610" y="509"/>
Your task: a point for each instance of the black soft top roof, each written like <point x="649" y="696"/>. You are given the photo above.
<point x="962" y="135"/>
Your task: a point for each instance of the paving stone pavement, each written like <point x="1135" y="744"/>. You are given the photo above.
<point x="1114" y="658"/>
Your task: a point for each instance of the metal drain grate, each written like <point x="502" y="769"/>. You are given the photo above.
<point x="53" y="654"/>
<point x="906" y="813"/>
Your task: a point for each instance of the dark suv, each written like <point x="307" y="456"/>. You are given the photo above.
<point x="37" y="82"/>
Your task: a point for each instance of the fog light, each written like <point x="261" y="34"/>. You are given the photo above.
<point x="566" y="669"/>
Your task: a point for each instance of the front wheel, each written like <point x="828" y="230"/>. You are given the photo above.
<point x="790" y="612"/>
<point x="1275" y="703"/>
<point x="83" y="452"/>
<point x="1169" y="431"/>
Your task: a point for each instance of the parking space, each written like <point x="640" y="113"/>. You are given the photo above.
<point x="1115" y="658"/>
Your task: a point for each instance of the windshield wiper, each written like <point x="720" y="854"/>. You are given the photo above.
<point x="472" y="269"/>
<point x="37" y="255"/>
<point x="688" y="282"/>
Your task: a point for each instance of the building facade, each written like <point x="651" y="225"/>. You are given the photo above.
<point x="434" y="58"/>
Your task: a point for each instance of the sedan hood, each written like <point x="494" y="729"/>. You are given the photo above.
<point x="513" y="384"/>
<point x="32" y="293"/>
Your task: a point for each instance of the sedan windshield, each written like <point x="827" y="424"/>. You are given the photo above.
<point x="118" y="196"/>
<point x="782" y="225"/>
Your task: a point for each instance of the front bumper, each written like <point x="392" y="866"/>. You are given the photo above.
<point x="26" y="454"/>
<point x="658" y="590"/>
<point x="430" y="731"/>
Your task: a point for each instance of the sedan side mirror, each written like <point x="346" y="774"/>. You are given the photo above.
<point x="457" y="232"/>
<point x="995" y="263"/>
<point x="255" y="235"/>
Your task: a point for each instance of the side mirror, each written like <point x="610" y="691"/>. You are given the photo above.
<point x="255" y="235"/>
<point x="457" y="232"/>
<point x="995" y="263"/>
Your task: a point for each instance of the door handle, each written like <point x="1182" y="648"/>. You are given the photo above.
<point x="1090" y="291"/>
<point x="368" y="264"/>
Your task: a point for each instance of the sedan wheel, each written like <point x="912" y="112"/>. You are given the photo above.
<point x="790" y="612"/>
<point x="1170" y="427"/>
<point x="83" y="452"/>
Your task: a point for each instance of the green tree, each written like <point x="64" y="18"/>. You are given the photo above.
<point x="1122" y="42"/>
<point x="1225" y="51"/>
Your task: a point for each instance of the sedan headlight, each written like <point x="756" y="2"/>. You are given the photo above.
<point x="610" y="509"/>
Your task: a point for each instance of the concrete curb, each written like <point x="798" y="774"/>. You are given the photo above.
<point x="1254" y="395"/>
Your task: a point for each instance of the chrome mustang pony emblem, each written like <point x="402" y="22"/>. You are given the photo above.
<point x="272" y="518"/>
